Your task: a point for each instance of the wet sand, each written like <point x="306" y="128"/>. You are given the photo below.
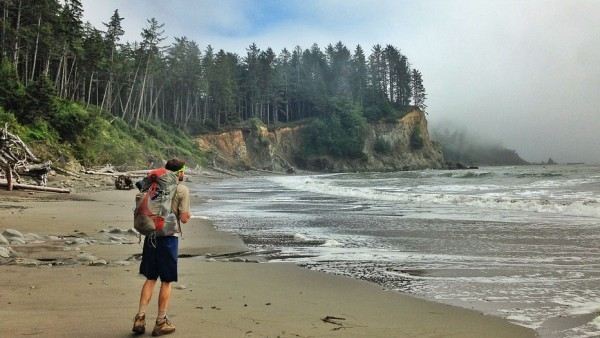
<point x="54" y="289"/>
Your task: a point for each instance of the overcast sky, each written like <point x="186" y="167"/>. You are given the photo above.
<point x="523" y="73"/>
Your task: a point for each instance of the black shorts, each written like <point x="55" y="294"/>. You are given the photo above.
<point x="160" y="261"/>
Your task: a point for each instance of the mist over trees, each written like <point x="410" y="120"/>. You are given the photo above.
<point x="47" y="50"/>
<point x="458" y="145"/>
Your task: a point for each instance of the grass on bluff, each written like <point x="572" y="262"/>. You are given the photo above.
<point x="95" y="138"/>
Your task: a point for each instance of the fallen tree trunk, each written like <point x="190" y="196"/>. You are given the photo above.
<point x="115" y="174"/>
<point x="34" y="187"/>
<point x="65" y="171"/>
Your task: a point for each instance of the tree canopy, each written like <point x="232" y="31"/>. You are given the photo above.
<point x="46" y="45"/>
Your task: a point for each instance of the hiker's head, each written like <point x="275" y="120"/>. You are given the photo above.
<point x="177" y="166"/>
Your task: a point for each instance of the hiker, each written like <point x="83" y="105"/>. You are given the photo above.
<point x="159" y="257"/>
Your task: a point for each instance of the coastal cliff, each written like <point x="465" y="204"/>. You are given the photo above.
<point x="402" y="144"/>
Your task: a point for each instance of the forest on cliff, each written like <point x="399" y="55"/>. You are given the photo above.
<point x="51" y="57"/>
<point x="178" y="83"/>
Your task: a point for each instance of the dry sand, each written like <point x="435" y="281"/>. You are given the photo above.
<point x="212" y="299"/>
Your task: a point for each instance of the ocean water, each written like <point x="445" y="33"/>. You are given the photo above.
<point x="520" y="242"/>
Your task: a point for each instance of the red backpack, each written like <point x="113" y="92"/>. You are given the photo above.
<point x="152" y="215"/>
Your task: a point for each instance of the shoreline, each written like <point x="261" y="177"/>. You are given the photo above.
<point x="214" y="298"/>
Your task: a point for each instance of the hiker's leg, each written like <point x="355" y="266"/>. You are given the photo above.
<point x="163" y="299"/>
<point x="146" y="294"/>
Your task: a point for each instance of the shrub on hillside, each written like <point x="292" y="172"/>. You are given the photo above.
<point x="416" y="140"/>
<point x="11" y="90"/>
<point x="40" y="101"/>
<point x="69" y="120"/>
<point x="382" y="146"/>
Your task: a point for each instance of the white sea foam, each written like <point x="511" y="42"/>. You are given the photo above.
<point x="331" y="243"/>
<point x="595" y="332"/>
<point x="578" y="305"/>
<point x="300" y="238"/>
<point x="456" y="195"/>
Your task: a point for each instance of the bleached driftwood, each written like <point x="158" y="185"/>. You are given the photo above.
<point x="16" y="158"/>
<point x="39" y="172"/>
<point x="65" y="172"/>
<point x="137" y="173"/>
<point x="33" y="187"/>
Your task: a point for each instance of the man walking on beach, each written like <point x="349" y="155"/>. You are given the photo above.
<point x="159" y="260"/>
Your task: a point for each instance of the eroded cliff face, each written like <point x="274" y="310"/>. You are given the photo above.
<point x="388" y="147"/>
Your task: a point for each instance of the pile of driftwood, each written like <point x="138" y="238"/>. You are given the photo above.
<point x="16" y="160"/>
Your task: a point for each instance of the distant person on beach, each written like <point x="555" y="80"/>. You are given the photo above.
<point x="159" y="259"/>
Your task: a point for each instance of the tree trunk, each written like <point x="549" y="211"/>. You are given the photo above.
<point x="68" y="79"/>
<point x="47" y="67"/>
<point x="16" y="52"/>
<point x="104" y="96"/>
<point x="26" y="77"/>
<point x="4" y="19"/>
<point x="130" y="92"/>
<point x="58" y="71"/>
<point x="37" y="40"/>
<point x="89" y="96"/>
<point x="137" y="116"/>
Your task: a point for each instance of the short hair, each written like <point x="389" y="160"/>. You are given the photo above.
<point x="174" y="164"/>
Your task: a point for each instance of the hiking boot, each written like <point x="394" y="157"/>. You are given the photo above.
<point x="163" y="326"/>
<point x="139" y="324"/>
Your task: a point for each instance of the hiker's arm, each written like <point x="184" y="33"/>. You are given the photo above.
<point x="184" y="205"/>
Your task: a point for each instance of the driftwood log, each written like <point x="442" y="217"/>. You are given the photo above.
<point x="65" y="172"/>
<point x="17" y="159"/>
<point x="34" y="187"/>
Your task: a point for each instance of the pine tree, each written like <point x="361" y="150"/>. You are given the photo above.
<point x="114" y="32"/>
<point x="359" y="75"/>
<point x="283" y="72"/>
<point x="340" y="70"/>
<point x="418" y="90"/>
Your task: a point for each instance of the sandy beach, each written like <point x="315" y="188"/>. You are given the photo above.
<point x="74" y="273"/>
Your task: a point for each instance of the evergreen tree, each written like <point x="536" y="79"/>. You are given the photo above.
<point x="359" y="75"/>
<point x="341" y="71"/>
<point x="283" y="74"/>
<point x="418" y="90"/>
<point x="114" y="31"/>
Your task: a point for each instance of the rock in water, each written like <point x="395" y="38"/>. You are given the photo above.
<point x="12" y="233"/>
<point x="3" y="240"/>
